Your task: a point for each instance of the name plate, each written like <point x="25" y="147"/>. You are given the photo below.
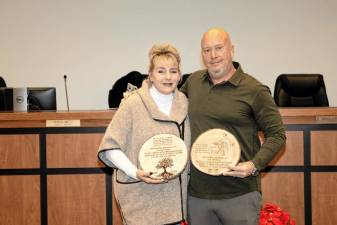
<point x="214" y="150"/>
<point x="165" y="155"/>
<point x="326" y="119"/>
<point x="63" y="123"/>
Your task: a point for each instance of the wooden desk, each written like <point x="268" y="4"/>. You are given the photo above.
<point x="302" y="179"/>
<point x="51" y="175"/>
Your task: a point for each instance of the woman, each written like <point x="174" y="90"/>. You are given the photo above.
<point x="157" y="107"/>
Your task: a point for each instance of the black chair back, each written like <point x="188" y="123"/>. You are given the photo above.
<point x="300" y="90"/>
<point x="120" y="86"/>
<point x="2" y="82"/>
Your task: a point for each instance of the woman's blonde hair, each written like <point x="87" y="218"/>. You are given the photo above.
<point x="163" y="51"/>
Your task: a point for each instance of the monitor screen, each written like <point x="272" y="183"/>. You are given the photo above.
<point x="6" y="99"/>
<point x="41" y="98"/>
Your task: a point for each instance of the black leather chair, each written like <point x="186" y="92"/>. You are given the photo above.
<point x="183" y="79"/>
<point x="300" y="90"/>
<point x="116" y="92"/>
<point x="2" y="82"/>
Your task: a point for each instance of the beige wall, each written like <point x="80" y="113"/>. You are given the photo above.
<point x="95" y="42"/>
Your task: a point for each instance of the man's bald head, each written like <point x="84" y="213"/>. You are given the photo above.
<point x="216" y="33"/>
<point x="217" y="54"/>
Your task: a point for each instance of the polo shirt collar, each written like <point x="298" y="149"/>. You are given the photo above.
<point x="235" y="79"/>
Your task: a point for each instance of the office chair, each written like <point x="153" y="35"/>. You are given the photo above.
<point x="2" y="82"/>
<point x="134" y="78"/>
<point x="183" y="79"/>
<point x="300" y="90"/>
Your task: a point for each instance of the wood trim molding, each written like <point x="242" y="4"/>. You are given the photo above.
<point x="92" y="118"/>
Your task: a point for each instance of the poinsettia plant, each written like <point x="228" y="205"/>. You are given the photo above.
<point x="272" y="214"/>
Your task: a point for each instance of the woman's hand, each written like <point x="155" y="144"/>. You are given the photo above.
<point x="145" y="176"/>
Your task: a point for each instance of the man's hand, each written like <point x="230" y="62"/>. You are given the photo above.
<point x="242" y="170"/>
<point x="145" y="176"/>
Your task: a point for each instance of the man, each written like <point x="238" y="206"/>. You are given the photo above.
<point x="223" y="96"/>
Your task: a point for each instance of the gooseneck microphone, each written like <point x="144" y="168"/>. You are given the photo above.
<point x="65" y="86"/>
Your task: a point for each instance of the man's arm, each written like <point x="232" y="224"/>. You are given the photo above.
<point x="269" y="120"/>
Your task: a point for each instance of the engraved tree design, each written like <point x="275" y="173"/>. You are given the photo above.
<point x="165" y="163"/>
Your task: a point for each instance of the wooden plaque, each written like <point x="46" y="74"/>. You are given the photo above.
<point x="165" y="155"/>
<point x="214" y="150"/>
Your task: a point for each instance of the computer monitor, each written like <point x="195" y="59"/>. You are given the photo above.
<point x="41" y="98"/>
<point x="6" y="99"/>
<point x="13" y="99"/>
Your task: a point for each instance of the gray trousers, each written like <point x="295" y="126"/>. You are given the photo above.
<point x="241" y="210"/>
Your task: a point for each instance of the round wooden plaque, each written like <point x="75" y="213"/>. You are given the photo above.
<point x="214" y="150"/>
<point x="165" y="155"/>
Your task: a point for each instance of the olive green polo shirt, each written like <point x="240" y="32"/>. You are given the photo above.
<point x="242" y="106"/>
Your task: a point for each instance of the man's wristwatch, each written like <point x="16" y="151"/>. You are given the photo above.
<point x="255" y="172"/>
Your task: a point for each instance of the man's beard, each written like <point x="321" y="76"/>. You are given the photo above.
<point x="217" y="73"/>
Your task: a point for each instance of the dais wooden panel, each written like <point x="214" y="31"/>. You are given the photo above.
<point x="91" y="118"/>
<point x="285" y="190"/>
<point x="73" y="150"/>
<point x="19" y="151"/>
<point x="292" y="152"/>
<point x="76" y="199"/>
<point x="324" y="147"/>
<point x="324" y="198"/>
<point x="20" y="200"/>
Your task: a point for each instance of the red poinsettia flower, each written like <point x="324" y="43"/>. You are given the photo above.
<point x="272" y="214"/>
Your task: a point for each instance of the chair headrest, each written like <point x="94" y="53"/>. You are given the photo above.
<point x="301" y="85"/>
